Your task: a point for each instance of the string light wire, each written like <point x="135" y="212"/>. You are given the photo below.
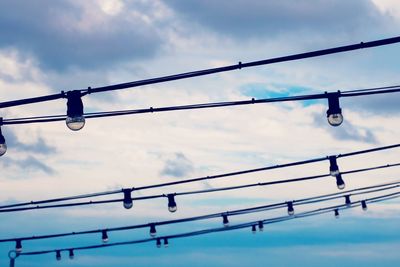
<point x="274" y="206"/>
<point x="94" y="202"/>
<point x="212" y="177"/>
<point x="226" y="228"/>
<point x="192" y="74"/>
<point x="352" y="93"/>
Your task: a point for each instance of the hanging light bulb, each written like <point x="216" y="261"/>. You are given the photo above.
<point x="71" y="254"/>
<point x="261" y="226"/>
<point x="18" y="246"/>
<point x="104" y="236"/>
<point x="3" y="145"/>
<point x="75" y="119"/>
<point x="253" y="229"/>
<point x="166" y="242"/>
<point x="348" y="201"/>
<point x="153" y="231"/>
<point x="333" y="167"/>
<point x="334" y="112"/>
<point x="158" y="242"/>
<point x="225" y="220"/>
<point x="290" y="209"/>
<point x="58" y="255"/>
<point x="364" y="205"/>
<point x="171" y="203"/>
<point x="336" y="213"/>
<point x="127" y="198"/>
<point x="339" y="182"/>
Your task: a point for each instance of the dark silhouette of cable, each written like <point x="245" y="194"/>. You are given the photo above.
<point x="192" y="74"/>
<point x="111" y="192"/>
<point x="304" y="201"/>
<point x="228" y="228"/>
<point x="353" y="93"/>
<point x="171" y="196"/>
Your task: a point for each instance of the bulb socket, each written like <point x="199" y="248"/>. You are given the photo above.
<point x="290" y="209"/>
<point x="225" y="220"/>
<point x="153" y="231"/>
<point x="127" y="198"/>
<point x="104" y="236"/>
<point x="171" y="203"/>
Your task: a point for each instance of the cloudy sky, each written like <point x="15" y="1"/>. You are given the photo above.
<point x="48" y="46"/>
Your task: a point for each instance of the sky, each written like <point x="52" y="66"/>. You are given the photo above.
<point x="49" y="46"/>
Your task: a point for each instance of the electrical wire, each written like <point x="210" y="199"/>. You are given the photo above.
<point x="54" y="118"/>
<point x="218" y="176"/>
<point x="304" y="201"/>
<point x="85" y="203"/>
<point x="226" y="228"/>
<point x="204" y="72"/>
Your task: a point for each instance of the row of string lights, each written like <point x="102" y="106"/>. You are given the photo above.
<point x="75" y="119"/>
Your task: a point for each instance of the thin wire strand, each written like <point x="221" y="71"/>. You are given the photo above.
<point x="62" y="199"/>
<point x="38" y="207"/>
<point x="228" y="228"/>
<point x="204" y="72"/>
<point x="304" y="201"/>
<point x="54" y="118"/>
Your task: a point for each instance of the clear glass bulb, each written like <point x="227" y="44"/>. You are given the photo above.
<point x="128" y="204"/>
<point x="71" y="255"/>
<point x="253" y="229"/>
<point x="75" y="123"/>
<point x="172" y="208"/>
<point x="105" y="239"/>
<point x="3" y="149"/>
<point x="341" y="186"/>
<point x="290" y="212"/>
<point x="335" y="119"/>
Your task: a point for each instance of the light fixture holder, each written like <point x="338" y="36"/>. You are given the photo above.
<point x="128" y="203"/>
<point x="334" y="112"/>
<point x="290" y="208"/>
<point x="171" y="203"/>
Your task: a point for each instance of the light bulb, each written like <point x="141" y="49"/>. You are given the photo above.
<point x="104" y="236"/>
<point x="253" y="229"/>
<point x="336" y="213"/>
<point x="18" y="246"/>
<point x="335" y="119"/>
<point x="225" y="220"/>
<point x="75" y="119"/>
<point x="3" y="149"/>
<point x="166" y="242"/>
<point x="339" y="182"/>
<point x="261" y="226"/>
<point x="348" y="201"/>
<point x="364" y="205"/>
<point x="158" y="242"/>
<point x="290" y="209"/>
<point x="71" y="254"/>
<point x="127" y="198"/>
<point x="334" y="112"/>
<point x="153" y="231"/>
<point x="333" y="167"/>
<point x="58" y="255"/>
<point x="75" y="123"/>
<point x="3" y="145"/>
<point x="171" y="203"/>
